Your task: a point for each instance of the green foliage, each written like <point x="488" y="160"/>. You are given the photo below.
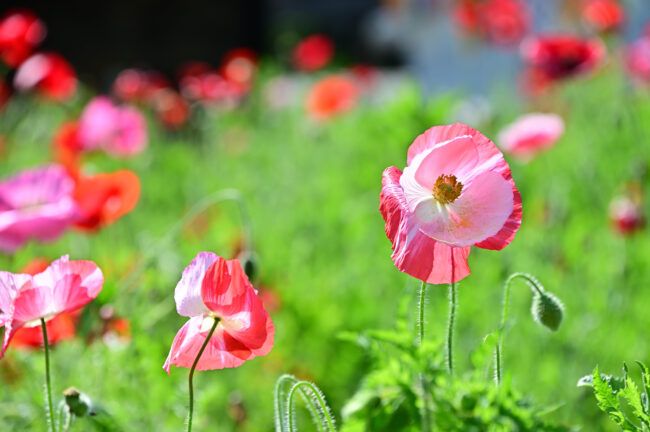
<point x="404" y="379"/>
<point x="608" y="391"/>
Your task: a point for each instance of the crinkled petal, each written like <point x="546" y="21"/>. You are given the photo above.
<point x="188" y="290"/>
<point x="414" y="252"/>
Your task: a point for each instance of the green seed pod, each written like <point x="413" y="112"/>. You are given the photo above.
<point x="547" y="310"/>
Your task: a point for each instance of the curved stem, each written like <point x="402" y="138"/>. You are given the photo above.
<point x="48" y="385"/>
<point x="196" y="361"/>
<point x="534" y="285"/>
<point x="323" y="405"/>
<point x="450" y="327"/>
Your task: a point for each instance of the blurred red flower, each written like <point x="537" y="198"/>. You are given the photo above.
<point x="502" y="22"/>
<point x="48" y="73"/>
<point x="239" y="66"/>
<point x="20" y="32"/>
<point x="626" y="211"/>
<point x="553" y="58"/>
<point x="170" y="108"/>
<point x="603" y="15"/>
<point x="104" y="198"/>
<point x="331" y="95"/>
<point x="137" y="85"/>
<point x="67" y="149"/>
<point x="313" y="53"/>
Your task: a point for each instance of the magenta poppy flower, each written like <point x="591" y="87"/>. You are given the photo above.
<point x="456" y="192"/>
<point x="213" y="288"/>
<point x="49" y="74"/>
<point x="36" y="203"/>
<point x="530" y="134"/>
<point x="64" y="286"/>
<point x="119" y="131"/>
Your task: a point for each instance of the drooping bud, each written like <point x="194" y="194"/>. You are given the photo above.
<point x="547" y="310"/>
<point x="249" y="263"/>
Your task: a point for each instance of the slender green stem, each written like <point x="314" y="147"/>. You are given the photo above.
<point x="450" y="327"/>
<point x="420" y="323"/>
<point x="48" y="385"/>
<point x="196" y="361"/>
<point x="533" y="284"/>
<point x="324" y="411"/>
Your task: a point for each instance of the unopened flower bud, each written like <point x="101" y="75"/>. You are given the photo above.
<point x="547" y="310"/>
<point x="249" y="263"/>
<point x="77" y="402"/>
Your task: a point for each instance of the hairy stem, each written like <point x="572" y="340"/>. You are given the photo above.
<point x="420" y="323"/>
<point x="196" y="361"/>
<point x="450" y="327"/>
<point x="48" y="385"/>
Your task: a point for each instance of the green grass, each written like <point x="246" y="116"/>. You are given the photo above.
<point x="313" y="194"/>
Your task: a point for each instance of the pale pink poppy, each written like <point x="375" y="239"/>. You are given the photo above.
<point x="119" y="131"/>
<point x="64" y="286"/>
<point x="214" y="288"/>
<point x="36" y="203"/>
<point x="530" y="134"/>
<point x="456" y="192"/>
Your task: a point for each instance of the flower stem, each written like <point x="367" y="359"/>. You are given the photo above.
<point x="504" y="317"/>
<point x="450" y="327"/>
<point x="196" y="361"/>
<point x="420" y="323"/>
<point x="48" y="385"/>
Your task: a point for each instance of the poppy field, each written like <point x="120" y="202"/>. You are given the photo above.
<point x="299" y="242"/>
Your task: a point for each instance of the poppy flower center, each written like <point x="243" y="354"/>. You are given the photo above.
<point x="446" y="189"/>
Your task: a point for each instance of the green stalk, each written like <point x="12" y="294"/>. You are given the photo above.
<point x="48" y="385"/>
<point x="450" y="327"/>
<point x="196" y="361"/>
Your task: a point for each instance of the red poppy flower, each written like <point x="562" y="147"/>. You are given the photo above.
<point x="626" y="211"/>
<point x="332" y="95"/>
<point x="239" y="67"/>
<point x="59" y="328"/>
<point x="20" y="32"/>
<point x="313" y="53"/>
<point x="603" y="15"/>
<point x="67" y="148"/>
<point x="170" y="108"/>
<point x="135" y="85"/>
<point x="502" y="22"/>
<point x="553" y="58"/>
<point x="104" y="198"/>
<point x="216" y="291"/>
<point x="49" y="73"/>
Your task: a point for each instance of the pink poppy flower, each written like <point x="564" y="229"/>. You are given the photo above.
<point x="530" y="134"/>
<point x="214" y="288"/>
<point x="20" y="32"/>
<point x="637" y="59"/>
<point x="63" y="287"/>
<point x="501" y="22"/>
<point x="48" y="73"/>
<point x="36" y="203"/>
<point x="137" y="85"/>
<point x="456" y="192"/>
<point x="119" y="131"/>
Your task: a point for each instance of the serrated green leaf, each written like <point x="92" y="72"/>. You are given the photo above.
<point x="608" y="402"/>
<point x="645" y="376"/>
<point x="586" y="381"/>
<point x="632" y="395"/>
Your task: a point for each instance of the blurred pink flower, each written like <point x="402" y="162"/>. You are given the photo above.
<point x="20" y="33"/>
<point x="136" y="85"/>
<point x="530" y="134"/>
<point x="64" y="286"/>
<point x="239" y="66"/>
<point x="213" y="288"/>
<point x="637" y="59"/>
<point x="119" y="131"/>
<point x="313" y="53"/>
<point x="626" y="211"/>
<point x="49" y="74"/>
<point x="36" y="203"/>
<point x="456" y="192"/>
